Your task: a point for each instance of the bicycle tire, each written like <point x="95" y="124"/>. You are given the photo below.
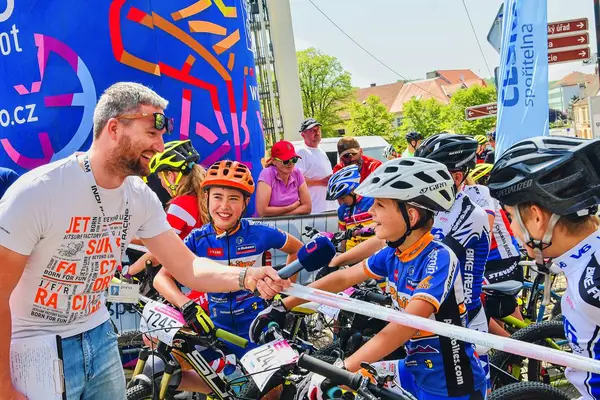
<point x="143" y="392"/>
<point x="528" y="391"/>
<point x="535" y="333"/>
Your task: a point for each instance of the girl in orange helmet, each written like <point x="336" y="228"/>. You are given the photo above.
<point x="231" y="240"/>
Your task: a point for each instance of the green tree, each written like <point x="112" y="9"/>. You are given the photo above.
<point x="326" y="88"/>
<point x="370" y="118"/>
<point x="423" y="116"/>
<point x="454" y="113"/>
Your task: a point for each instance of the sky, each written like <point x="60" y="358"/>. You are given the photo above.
<point x="414" y="37"/>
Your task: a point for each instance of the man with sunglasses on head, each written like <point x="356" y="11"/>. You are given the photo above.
<point x="350" y="153"/>
<point x="64" y="228"/>
<point x="315" y="166"/>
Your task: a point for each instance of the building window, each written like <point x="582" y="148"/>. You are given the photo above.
<point x="399" y="121"/>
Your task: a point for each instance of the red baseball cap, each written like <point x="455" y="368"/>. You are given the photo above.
<point x="283" y="150"/>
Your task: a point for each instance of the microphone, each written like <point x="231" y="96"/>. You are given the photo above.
<point x="312" y="256"/>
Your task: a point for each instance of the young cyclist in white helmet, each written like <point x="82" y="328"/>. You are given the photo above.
<point x="465" y="227"/>
<point x="550" y="186"/>
<point x="423" y="280"/>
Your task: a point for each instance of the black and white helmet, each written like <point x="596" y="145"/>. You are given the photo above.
<point x="417" y="181"/>
<point x="390" y="152"/>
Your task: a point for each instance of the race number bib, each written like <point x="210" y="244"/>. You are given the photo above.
<point x="268" y="358"/>
<point x="333" y="312"/>
<point x="161" y="322"/>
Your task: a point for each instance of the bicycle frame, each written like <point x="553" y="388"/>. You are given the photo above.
<point x="185" y="343"/>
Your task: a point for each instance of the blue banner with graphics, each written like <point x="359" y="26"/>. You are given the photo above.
<point x="57" y="57"/>
<point x="523" y="81"/>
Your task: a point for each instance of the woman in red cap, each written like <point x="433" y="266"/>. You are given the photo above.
<point x="281" y="187"/>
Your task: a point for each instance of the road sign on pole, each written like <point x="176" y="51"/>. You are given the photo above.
<point x="568" y="41"/>
<point x="570" y="26"/>
<point x="481" y="111"/>
<point x="568" y="55"/>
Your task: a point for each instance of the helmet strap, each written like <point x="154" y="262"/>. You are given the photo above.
<point x="173" y="185"/>
<point x="538" y="245"/>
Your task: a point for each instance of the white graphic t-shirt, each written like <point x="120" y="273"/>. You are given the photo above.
<point x="50" y="214"/>
<point x="314" y="164"/>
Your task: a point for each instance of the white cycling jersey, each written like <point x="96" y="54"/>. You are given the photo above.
<point x="504" y="244"/>
<point x="581" y="309"/>
<point x="467" y="224"/>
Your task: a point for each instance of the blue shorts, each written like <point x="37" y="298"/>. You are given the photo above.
<point x="407" y="381"/>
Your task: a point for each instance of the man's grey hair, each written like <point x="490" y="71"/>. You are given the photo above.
<point x="124" y="98"/>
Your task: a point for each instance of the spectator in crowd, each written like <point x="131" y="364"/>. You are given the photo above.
<point x="490" y="156"/>
<point x="315" y="166"/>
<point x="282" y="189"/>
<point x="7" y="178"/>
<point x="350" y="153"/>
<point x="413" y="140"/>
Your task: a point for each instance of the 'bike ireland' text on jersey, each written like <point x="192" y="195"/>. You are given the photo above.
<point x="465" y="229"/>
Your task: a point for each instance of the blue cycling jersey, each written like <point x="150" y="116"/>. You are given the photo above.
<point x="350" y="217"/>
<point x="235" y="311"/>
<point x="465" y="229"/>
<point x="428" y="271"/>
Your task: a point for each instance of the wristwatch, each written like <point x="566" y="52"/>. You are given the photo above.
<point x="242" y="279"/>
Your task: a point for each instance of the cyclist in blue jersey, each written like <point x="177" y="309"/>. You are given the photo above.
<point x="550" y="187"/>
<point x="231" y="240"/>
<point x="423" y="280"/>
<point x="465" y="227"/>
<point x="353" y="212"/>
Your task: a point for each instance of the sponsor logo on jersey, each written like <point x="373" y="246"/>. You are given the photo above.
<point x="425" y="284"/>
<point x="581" y="251"/>
<point x="428" y="364"/>
<point x="432" y="263"/>
<point x="246" y="248"/>
<point x="239" y="240"/>
<point x="468" y="275"/>
<point x="215" y="252"/>
<point x="456" y="361"/>
<point x="242" y="263"/>
<point x="589" y="285"/>
<point x="421" y="349"/>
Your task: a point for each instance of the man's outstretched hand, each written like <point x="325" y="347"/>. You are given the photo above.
<point x="266" y="281"/>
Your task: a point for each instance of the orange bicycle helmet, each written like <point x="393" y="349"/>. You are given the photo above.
<point x="230" y="174"/>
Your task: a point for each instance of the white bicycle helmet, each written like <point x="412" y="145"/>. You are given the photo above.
<point x="390" y="151"/>
<point x="417" y="181"/>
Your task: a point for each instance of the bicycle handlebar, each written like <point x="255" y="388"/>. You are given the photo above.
<point x="378" y="298"/>
<point x="342" y="377"/>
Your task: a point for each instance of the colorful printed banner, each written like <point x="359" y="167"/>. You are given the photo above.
<point x="57" y="57"/>
<point x="523" y="85"/>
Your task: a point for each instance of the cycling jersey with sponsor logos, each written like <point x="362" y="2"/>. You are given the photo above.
<point x="235" y="311"/>
<point x="504" y="244"/>
<point x="580" y="306"/>
<point x="464" y="228"/>
<point x="355" y="216"/>
<point x="428" y="271"/>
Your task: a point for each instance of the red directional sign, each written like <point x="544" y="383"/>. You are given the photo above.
<point x="569" y="55"/>
<point x="568" y="41"/>
<point x="574" y="25"/>
<point x="481" y="111"/>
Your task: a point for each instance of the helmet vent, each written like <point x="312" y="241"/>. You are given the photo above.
<point x="401" y="185"/>
<point x="443" y="174"/>
<point x="445" y="194"/>
<point x="424" y="177"/>
<point x="391" y="170"/>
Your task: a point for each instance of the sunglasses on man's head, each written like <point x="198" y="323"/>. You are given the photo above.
<point x="161" y="121"/>
<point x="349" y="155"/>
<point x="292" y="160"/>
